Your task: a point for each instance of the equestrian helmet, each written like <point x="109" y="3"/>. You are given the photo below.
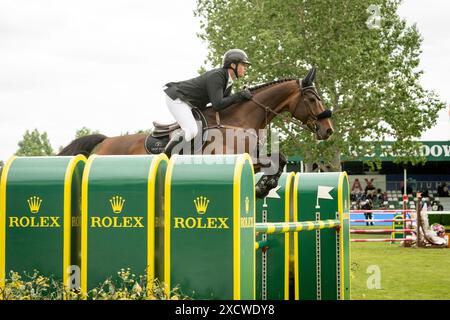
<point x="234" y="56"/>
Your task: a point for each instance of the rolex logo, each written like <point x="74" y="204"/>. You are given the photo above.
<point x="201" y="204"/>
<point x="117" y="204"/>
<point x="247" y="204"/>
<point x="34" y="203"/>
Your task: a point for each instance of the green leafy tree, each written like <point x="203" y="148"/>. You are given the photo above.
<point x="144" y="131"/>
<point x="367" y="68"/>
<point x="140" y="131"/>
<point x="34" y="144"/>
<point x="84" y="132"/>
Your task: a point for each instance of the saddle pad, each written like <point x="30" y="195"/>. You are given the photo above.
<point x="156" y="145"/>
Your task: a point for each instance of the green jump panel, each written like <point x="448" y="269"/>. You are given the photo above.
<point x="272" y="261"/>
<point x="321" y="257"/>
<point x="209" y="226"/>
<point x="40" y="217"/>
<point x="122" y="211"/>
<point x="398" y="225"/>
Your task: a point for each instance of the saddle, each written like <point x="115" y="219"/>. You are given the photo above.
<point x="164" y="129"/>
<point x="156" y="142"/>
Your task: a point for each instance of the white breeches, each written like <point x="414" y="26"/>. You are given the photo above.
<point x="182" y="113"/>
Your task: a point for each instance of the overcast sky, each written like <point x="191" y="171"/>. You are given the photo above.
<point x="102" y="64"/>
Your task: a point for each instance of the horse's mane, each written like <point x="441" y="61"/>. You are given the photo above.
<point x="260" y="86"/>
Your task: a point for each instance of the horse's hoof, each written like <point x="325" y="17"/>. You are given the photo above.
<point x="261" y="195"/>
<point x="260" y="192"/>
<point x="272" y="183"/>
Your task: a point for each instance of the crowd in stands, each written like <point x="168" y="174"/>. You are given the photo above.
<point x="369" y="199"/>
<point x="373" y="198"/>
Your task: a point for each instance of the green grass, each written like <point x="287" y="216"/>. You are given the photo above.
<point x="406" y="273"/>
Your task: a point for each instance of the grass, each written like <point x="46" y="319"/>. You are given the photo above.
<point x="405" y="273"/>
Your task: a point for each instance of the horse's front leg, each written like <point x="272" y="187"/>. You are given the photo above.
<point x="272" y="166"/>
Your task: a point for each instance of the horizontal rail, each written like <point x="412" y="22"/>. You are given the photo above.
<point x="261" y="244"/>
<point x="283" y="227"/>
<point x="380" y="240"/>
<point x="382" y="220"/>
<point x="382" y="211"/>
<point x="381" y="231"/>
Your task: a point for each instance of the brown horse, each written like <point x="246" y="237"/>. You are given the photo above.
<point x="298" y="97"/>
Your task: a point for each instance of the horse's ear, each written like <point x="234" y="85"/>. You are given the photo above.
<point x="308" y="81"/>
<point x="313" y="75"/>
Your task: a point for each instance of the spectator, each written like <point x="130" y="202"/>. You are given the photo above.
<point x="361" y="197"/>
<point x="443" y="190"/>
<point x="380" y="197"/>
<point x="369" y="188"/>
<point x="379" y="194"/>
<point x="440" y="190"/>
<point x="367" y="205"/>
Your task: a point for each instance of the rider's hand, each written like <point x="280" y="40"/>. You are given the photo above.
<point x="246" y="94"/>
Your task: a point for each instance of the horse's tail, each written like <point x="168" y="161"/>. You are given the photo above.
<point x="83" y="145"/>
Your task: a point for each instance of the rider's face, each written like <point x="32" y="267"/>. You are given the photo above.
<point x="242" y="69"/>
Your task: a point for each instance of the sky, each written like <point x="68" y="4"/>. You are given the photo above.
<point x="102" y="64"/>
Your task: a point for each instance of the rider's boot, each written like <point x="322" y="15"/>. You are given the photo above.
<point x="177" y="138"/>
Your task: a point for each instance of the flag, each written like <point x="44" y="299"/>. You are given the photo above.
<point x="323" y="192"/>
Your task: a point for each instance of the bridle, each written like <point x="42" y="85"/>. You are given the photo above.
<point x="311" y="124"/>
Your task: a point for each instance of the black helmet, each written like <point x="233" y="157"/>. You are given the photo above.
<point x="234" y="56"/>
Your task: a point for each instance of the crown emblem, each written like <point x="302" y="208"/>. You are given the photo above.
<point x="34" y="203"/>
<point x="247" y="204"/>
<point x="117" y="204"/>
<point x="201" y="204"/>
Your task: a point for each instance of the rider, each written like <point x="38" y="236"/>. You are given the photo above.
<point x="213" y="87"/>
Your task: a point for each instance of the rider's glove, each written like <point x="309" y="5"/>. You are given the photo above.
<point x="246" y="94"/>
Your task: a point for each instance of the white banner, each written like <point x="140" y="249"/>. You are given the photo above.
<point x="359" y="183"/>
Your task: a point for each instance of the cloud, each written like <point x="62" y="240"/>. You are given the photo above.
<point x="99" y="64"/>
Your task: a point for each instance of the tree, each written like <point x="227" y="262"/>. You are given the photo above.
<point x="84" y="132"/>
<point x="367" y="74"/>
<point x="144" y="131"/>
<point x="34" y="144"/>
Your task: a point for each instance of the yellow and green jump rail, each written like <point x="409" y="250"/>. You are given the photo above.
<point x="303" y="225"/>
<point x="40" y="217"/>
<point x="282" y="227"/>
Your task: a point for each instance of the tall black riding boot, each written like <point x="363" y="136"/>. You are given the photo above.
<point x="177" y="138"/>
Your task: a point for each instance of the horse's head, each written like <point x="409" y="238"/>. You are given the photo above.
<point x="308" y="108"/>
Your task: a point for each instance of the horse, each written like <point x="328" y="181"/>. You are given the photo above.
<point x="298" y="97"/>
